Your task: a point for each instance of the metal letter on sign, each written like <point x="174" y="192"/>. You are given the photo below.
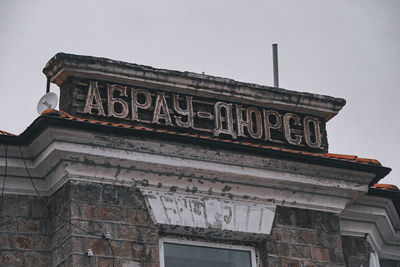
<point x="93" y="95"/>
<point x="288" y="132"/>
<point x="307" y="133"/>
<point x="136" y="104"/>
<point x="184" y="112"/>
<point x="268" y="125"/>
<point x="219" y="129"/>
<point x="240" y="122"/>
<point x="113" y="100"/>
<point x="161" y="104"/>
<point x="255" y="130"/>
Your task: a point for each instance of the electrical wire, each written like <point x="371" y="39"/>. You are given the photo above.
<point x="4" y="181"/>
<point x="27" y="170"/>
<point x="103" y="236"/>
<point x="112" y="251"/>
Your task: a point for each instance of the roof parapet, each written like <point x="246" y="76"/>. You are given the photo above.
<point x="63" y="65"/>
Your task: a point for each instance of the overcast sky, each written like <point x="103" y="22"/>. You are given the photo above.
<point x="342" y="48"/>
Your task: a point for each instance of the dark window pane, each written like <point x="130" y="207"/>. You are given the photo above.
<point x="177" y="255"/>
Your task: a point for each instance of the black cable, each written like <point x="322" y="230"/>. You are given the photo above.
<point x="4" y="181"/>
<point x="77" y="226"/>
<point x="103" y="236"/>
<point x="23" y="159"/>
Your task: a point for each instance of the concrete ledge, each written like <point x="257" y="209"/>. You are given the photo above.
<point x="58" y="155"/>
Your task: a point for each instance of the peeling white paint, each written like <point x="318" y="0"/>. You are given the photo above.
<point x="210" y="212"/>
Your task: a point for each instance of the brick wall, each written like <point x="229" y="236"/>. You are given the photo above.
<point x="25" y="232"/>
<point x="356" y="251"/>
<point x="33" y="233"/>
<point x="304" y="238"/>
<point x="103" y="209"/>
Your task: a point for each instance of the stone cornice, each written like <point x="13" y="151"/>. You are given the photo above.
<point x="62" y="66"/>
<point x="57" y="155"/>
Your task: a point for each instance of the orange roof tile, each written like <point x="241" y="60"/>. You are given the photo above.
<point x="386" y="187"/>
<point x="6" y="133"/>
<point x="349" y="158"/>
<point x="353" y="158"/>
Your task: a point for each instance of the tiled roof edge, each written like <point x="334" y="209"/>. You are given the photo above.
<point x="6" y="133"/>
<point x="341" y="157"/>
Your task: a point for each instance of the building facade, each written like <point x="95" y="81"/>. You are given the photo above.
<point x="150" y="167"/>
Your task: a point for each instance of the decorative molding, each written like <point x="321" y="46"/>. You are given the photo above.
<point x="199" y="211"/>
<point x="377" y="218"/>
<point x="59" y="154"/>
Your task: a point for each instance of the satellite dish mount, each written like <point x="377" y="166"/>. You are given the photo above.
<point x="48" y="101"/>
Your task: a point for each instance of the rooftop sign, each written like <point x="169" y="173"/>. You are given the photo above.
<point x="186" y="102"/>
<point x="217" y="118"/>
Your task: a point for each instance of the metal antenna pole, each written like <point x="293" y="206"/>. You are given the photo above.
<point x="48" y="86"/>
<point x="275" y="62"/>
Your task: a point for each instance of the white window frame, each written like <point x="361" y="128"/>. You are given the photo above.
<point x="182" y="241"/>
<point x="373" y="259"/>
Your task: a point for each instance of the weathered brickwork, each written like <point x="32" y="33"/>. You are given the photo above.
<point x="356" y="251"/>
<point x="103" y="210"/>
<point x="25" y="232"/>
<point x="304" y="238"/>
<point x="113" y="222"/>
<point x="36" y="232"/>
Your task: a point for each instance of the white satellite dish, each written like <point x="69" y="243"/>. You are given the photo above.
<point x="48" y="101"/>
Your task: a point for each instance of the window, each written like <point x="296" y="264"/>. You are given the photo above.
<point x="185" y="253"/>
